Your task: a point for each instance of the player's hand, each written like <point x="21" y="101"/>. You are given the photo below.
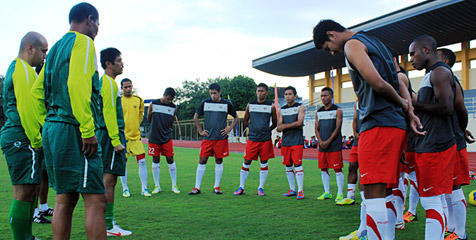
<point x="325" y="144"/>
<point x="119" y="148"/>
<point x="403" y="159"/>
<point x="204" y="133"/>
<point x="225" y="131"/>
<point x="280" y="128"/>
<point x="415" y="124"/>
<point x="90" y="146"/>
<point x="468" y="136"/>
<point x="38" y="149"/>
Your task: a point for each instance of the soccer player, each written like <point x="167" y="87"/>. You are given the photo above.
<point x="290" y="122"/>
<point x="437" y="149"/>
<point x="456" y="200"/>
<point x="215" y="141"/>
<point x="111" y="133"/>
<point x="67" y="93"/>
<point x="383" y="115"/>
<point x="328" y="132"/>
<point x="20" y="136"/>
<point x="161" y="115"/>
<point x="257" y="116"/>
<point x="133" y="107"/>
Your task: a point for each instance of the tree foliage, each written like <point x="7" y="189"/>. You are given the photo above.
<point x="241" y="89"/>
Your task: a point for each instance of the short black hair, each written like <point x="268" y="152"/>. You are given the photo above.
<point x="394" y="52"/>
<point x="448" y="55"/>
<point x="170" y="92"/>
<point x="291" y="88"/>
<point x="125" y="80"/>
<point x="319" y="34"/>
<point x="329" y="90"/>
<point x="263" y="85"/>
<point x="427" y="40"/>
<point x="82" y="11"/>
<point x="214" y="86"/>
<point x="109" y="55"/>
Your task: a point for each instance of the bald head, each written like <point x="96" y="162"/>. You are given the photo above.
<point x="33" y="48"/>
<point x="33" y="38"/>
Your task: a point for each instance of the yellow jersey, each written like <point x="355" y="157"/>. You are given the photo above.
<point x="133" y="108"/>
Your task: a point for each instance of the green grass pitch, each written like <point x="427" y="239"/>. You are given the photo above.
<point x="179" y="216"/>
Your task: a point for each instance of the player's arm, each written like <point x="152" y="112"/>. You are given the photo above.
<point x="356" y="53"/>
<point x="82" y="68"/>
<point x="246" y="118"/>
<point x="196" y="119"/>
<point x="38" y="97"/>
<point x="298" y="123"/>
<point x="109" y="111"/>
<point x="141" y="111"/>
<point x="232" y="112"/>
<point x="280" y="122"/>
<point x="336" y="132"/>
<point x="460" y="108"/>
<point x="149" y="113"/>
<point x="178" y="123"/>
<point x="415" y="123"/>
<point x="354" y="123"/>
<point x="441" y="79"/>
<point x="316" y="130"/>
<point x="274" y="118"/>
<point x="28" y="117"/>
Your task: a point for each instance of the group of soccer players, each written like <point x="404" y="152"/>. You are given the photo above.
<point x="78" y="125"/>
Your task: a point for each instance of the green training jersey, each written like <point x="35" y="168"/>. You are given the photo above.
<point x="17" y="103"/>
<point x="67" y="89"/>
<point x="111" y="115"/>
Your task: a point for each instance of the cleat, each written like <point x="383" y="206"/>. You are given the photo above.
<point x="41" y="219"/>
<point x="346" y="201"/>
<point x="290" y="193"/>
<point x="48" y="213"/>
<point x="454" y="236"/>
<point x="325" y="195"/>
<point x="156" y="190"/>
<point x="217" y="190"/>
<point x="261" y="192"/>
<point x="351" y="236"/>
<point x="300" y="195"/>
<point x="339" y="198"/>
<point x="175" y="189"/>
<point x="447" y="232"/>
<point x="118" y="231"/>
<point x="240" y="191"/>
<point x="126" y="193"/>
<point x="400" y="225"/>
<point x="194" y="191"/>
<point x="146" y="193"/>
<point x="362" y="238"/>
<point x="409" y="217"/>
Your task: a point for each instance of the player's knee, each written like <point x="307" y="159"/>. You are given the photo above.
<point x="247" y="162"/>
<point x="156" y="159"/>
<point x="325" y="170"/>
<point x="170" y="160"/>
<point x="339" y="170"/>
<point x="219" y="160"/>
<point x="141" y="162"/>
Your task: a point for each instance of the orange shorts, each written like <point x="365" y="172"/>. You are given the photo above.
<point x="330" y="160"/>
<point x="380" y="150"/>
<point x="434" y="172"/>
<point x="461" y="168"/>
<point x="292" y="154"/>
<point x="264" y="150"/>
<point x="166" y="149"/>
<point x="217" y="148"/>
<point x="410" y="158"/>
<point x="354" y="154"/>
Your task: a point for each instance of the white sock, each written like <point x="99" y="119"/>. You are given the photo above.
<point x="245" y="171"/>
<point x="460" y="210"/>
<point x="263" y="174"/>
<point x="414" y="196"/>
<point x="200" y="172"/>
<point x="124" y="181"/>
<point x="340" y="182"/>
<point x="363" y="216"/>
<point x="300" y="178"/>
<point x="325" y="181"/>
<point x="143" y="173"/>
<point x="391" y="216"/>
<point x="173" y="173"/>
<point x="36" y="213"/>
<point x="449" y="213"/>
<point x="435" y="223"/>
<point x="351" y="190"/>
<point x="290" y="176"/>
<point x="377" y="219"/>
<point x="218" y="174"/>
<point x="156" y="173"/>
<point x="404" y="189"/>
<point x="399" y="205"/>
<point x="44" y="207"/>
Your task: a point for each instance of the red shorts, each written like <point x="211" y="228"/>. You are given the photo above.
<point x="264" y="150"/>
<point x="354" y="154"/>
<point x="434" y="172"/>
<point x="461" y="168"/>
<point x="380" y="149"/>
<point x="292" y="154"/>
<point x="410" y="158"/>
<point x="330" y="160"/>
<point x="217" y="148"/>
<point x="166" y="149"/>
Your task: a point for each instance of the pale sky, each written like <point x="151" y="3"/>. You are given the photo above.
<point x="164" y="42"/>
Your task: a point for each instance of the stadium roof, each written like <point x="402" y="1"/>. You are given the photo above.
<point x="448" y="21"/>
